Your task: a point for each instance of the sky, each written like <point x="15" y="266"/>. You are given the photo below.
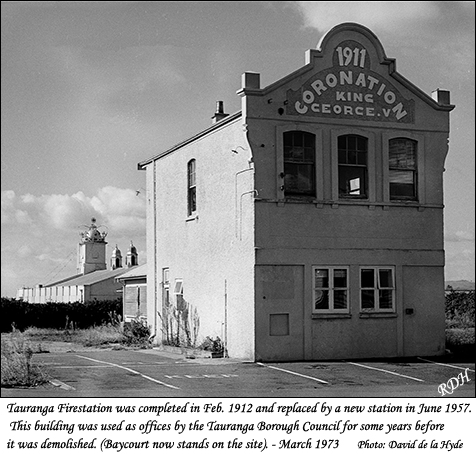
<point x="89" y="89"/>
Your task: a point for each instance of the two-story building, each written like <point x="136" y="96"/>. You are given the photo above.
<point x="309" y="225"/>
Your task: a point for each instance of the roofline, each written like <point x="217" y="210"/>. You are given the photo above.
<point x="393" y="73"/>
<point x="383" y="59"/>
<point x="131" y="278"/>
<point x="66" y="282"/>
<point x="228" y="119"/>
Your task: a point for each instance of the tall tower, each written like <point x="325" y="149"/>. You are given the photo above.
<point x="132" y="258"/>
<point x="92" y="250"/>
<point x="116" y="258"/>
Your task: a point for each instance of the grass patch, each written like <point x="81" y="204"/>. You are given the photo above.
<point x="17" y="368"/>
<point x="98" y="336"/>
<point x="18" y="347"/>
<point x="133" y="333"/>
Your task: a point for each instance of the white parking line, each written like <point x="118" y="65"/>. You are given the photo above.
<point x="130" y="370"/>
<point x="386" y="371"/>
<point x="61" y="385"/>
<point x="447" y="365"/>
<point x="294" y="373"/>
<point x="96" y="366"/>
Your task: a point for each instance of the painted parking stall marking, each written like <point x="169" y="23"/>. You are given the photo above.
<point x="202" y="376"/>
<point x="447" y="365"/>
<point x="130" y="370"/>
<point x="385" y="371"/>
<point x="294" y="373"/>
<point x="61" y="385"/>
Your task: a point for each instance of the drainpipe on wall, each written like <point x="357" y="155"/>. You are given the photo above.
<point x="253" y="191"/>
<point x="225" y="336"/>
<point x="154" y="182"/>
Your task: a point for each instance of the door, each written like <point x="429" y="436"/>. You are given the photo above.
<point x="279" y="313"/>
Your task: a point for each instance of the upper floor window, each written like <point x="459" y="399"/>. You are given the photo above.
<point x="299" y="163"/>
<point x="165" y="287"/>
<point x="402" y="169"/>
<point x="192" y="188"/>
<point x="353" y="176"/>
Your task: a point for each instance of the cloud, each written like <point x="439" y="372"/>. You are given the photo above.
<point x="40" y="233"/>
<point x="120" y="208"/>
<point x="459" y="262"/>
<point x="375" y="15"/>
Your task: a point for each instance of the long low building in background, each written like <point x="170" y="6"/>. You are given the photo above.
<point x="93" y="281"/>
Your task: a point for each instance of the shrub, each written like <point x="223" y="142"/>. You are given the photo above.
<point x="136" y="333"/>
<point x="23" y="315"/>
<point x="213" y="345"/>
<point x="17" y="368"/>
<point x="459" y="309"/>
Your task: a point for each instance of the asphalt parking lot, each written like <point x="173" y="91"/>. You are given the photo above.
<point x="154" y="373"/>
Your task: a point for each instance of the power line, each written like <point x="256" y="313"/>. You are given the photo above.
<point x="63" y="265"/>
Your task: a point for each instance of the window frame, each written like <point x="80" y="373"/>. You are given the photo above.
<point x="413" y="169"/>
<point x="365" y="167"/>
<point x="178" y="286"/>
<point x="331" y="289"/>
<point x="311" y="136"/>
<point x="165" y="287"/>
<point x="377" y="287"/>
<point x="191" y="187"/>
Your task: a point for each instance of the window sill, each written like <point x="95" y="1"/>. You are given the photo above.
<point x="330" y="316"/>
<point x="385" y="205"/>
<point x="299" y="199"/>
<point x="377" y="315"/>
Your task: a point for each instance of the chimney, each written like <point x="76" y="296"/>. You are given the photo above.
<point x="442" y="97"/>
<point x="250" y="80"/>
<point x="219" y="114"/>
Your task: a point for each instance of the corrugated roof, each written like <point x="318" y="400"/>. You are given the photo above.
<point x="137" y="271"/>
<point x="90" y="278"/>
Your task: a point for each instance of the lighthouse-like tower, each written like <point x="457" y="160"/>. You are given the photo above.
<point x="116" y="258"/>
<point x="92" y="250"/>
<point x="132" y="258"/>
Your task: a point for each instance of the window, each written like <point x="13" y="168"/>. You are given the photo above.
<point x="165" y="287"/>
<point x="331" y="289"/>
<point x="178" y="289"/>
<point x="352" y="151"/>
<point x="299" y="163"/>
<point x="192" y="188"/>
<point x="402" y="169"/>
<point x="377" y="289"/>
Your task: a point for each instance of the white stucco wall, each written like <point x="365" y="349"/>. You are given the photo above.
<point x="330" y="231"/>
<point x="211" y="251"/>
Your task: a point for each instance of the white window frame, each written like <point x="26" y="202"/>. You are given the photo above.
<point x="331" y="289"/>
<point x="376" y="288"/>
<point x="191" y="187"/>
<point x="413" y="169"/>
<point x="178" y="287"/>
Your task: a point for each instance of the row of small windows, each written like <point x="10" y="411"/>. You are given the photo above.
<point x="300" y="166"/>
<point x="331" y="289"/>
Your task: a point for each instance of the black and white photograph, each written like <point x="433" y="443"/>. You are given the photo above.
<point x="258" y="212"/>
